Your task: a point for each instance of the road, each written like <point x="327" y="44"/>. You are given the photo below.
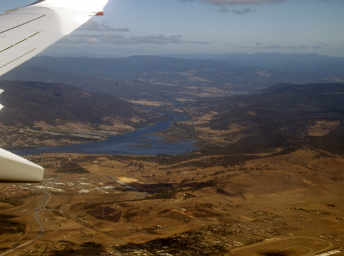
<point x="37" y="216"/>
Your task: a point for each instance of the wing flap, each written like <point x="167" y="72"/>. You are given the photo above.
<point x="16" y="168"/>
<point x="26" y="32"/>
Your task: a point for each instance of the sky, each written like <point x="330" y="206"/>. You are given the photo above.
<point x="178" y="27"/>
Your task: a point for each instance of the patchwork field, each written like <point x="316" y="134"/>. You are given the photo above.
<point x="272" y="205"/>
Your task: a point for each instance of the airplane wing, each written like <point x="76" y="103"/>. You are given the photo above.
<point x="24" y="33"/>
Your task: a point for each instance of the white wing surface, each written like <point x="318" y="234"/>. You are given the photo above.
<point x="24" y="33"/>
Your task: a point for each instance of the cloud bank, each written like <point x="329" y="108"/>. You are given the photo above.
<point x="227" y="6"/>
<point x="240" y="2"/>
<point x="94" y="33"/>
<point x="236" y="2"/>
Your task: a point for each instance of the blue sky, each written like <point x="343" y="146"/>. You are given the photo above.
<point x="133" y="27"/>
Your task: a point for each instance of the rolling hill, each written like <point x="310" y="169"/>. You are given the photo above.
<point x="38" y="113"/>
<point x="282" y="116"/>
<point x="29" y="102"/>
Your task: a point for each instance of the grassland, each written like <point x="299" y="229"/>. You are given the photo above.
<point x="97" y="205"/>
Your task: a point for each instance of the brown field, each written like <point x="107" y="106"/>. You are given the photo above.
<point x="322" y="128"/>
<point x="286" y="246"/>
<point x="277" y="205"/>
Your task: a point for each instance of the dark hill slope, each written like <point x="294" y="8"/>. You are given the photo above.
<point x="285" y="115"/>
<point x="29" y="102"/>
<point x="283" y="104"/>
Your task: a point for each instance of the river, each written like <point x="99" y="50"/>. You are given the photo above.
<point x="140" y="142"/>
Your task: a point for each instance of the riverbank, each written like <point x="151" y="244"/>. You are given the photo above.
<point x="143" y="141"/>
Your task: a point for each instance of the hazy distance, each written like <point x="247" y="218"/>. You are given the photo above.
<point x="136" y="27"/>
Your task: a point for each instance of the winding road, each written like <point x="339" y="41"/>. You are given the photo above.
<point x="37" y="216"/>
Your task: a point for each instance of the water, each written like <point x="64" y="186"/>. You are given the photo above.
<point x="140" y="142"/>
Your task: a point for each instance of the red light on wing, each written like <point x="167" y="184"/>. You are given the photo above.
<point x="100" y="13"/>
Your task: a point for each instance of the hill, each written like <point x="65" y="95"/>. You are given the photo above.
<point x="37" y="110"/>
<point x="29" y="102"/>
<point x="282" y="116"/>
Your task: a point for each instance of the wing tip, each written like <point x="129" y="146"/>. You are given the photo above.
<point x="78" y="5"/>
<point x="17" y="169"/>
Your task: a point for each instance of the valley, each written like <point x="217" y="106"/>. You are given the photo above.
<point x="264" y="175"/>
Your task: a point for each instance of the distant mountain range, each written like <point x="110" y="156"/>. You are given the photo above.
<point x="240" y="72"/>
<point x="278" y="61"/>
